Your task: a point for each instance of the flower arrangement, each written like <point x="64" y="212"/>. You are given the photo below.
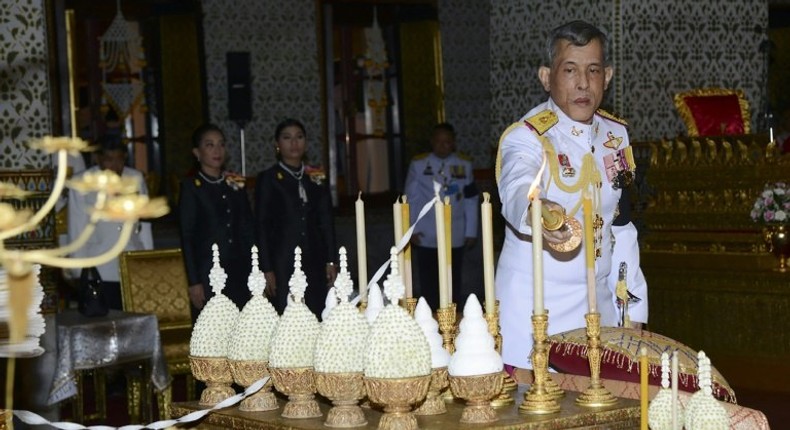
<point x="773" y="205"/>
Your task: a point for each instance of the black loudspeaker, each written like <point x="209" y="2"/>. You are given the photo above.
<point x="239" y="92"/>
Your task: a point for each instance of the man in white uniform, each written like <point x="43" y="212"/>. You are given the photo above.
<point x="111" y="156"/>
<point x="586" y="151"/>
<point x="455" y="175"/>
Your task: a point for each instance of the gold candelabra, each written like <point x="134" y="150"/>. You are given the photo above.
<point x="447" y="317"/>
<point x="596" y="395"/>
<point x="504" y="397"/>
<point x="542" y="396"/>
<point x="408" y="303"/>
<point x="117" y="200"/>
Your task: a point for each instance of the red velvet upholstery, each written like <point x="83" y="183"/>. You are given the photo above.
<point x="713" y="112"/>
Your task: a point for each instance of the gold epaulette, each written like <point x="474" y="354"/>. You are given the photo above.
<point x="611" y="117"/>
<point x="463" y="156"/>
<point x="421" y="156"/>
<point x="542" y="121"/>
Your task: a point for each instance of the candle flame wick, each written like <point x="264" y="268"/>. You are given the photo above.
<point x="534" y="189"/>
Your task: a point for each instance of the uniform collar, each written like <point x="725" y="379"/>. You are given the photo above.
<point x="578" y="132"/>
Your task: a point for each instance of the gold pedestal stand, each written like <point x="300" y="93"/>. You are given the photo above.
<point x="596" y="395"/>
<point x="508" y="384"/>
<point x="408" y="303"/>
<point x="539" y="400"/>
<point x="363" y="304"/>
<point x="447" y="318"/>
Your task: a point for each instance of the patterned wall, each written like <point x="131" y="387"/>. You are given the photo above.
<point x="24" y="91"/>
<point x="286" y="80"/>
<point x="466" y="62"/>
<point x="661" y="47"/>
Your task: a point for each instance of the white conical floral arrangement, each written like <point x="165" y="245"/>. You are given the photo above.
<point x="397" y="347"/>
<point x="293" y="343"/>
<point x="703" y="411"/>
<point x="475" y="351"/>
<point x="344" y="332"/>
<point x="375" y="303"/>
<point x="211" y="334"/>
<point x="430" y="328"/>
<point x="660" y="411"/>
<point x="252" y="334"/>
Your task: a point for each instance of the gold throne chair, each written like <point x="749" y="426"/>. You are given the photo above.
<point x="155" y="282"/>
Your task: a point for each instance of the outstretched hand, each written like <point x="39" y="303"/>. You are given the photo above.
<point x="271" y="284"/>
<point x="196" y="296"/>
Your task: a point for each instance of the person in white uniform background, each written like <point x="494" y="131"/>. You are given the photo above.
<point x="112" y="155"/>
<point x="586" y="151"/>
<point x="455" y="175"/>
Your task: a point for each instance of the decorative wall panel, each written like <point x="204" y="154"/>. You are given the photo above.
<point x="24" y="88"/>
<point x="466" y="61"/>
<point x="661" y="47"/>
<point x="286" y="80"/>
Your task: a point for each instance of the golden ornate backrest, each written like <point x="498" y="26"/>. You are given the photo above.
<point x="156" y="282"/>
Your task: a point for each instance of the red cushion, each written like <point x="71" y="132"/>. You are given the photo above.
<point x="619" y="361"/>
<point x="716" y="115"/>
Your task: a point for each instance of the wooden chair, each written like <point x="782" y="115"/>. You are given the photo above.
<point x="155" y="282"/>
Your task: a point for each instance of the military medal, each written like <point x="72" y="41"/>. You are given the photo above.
<point x="428" y="170"/>
<point x="565" y="163"/>
<point x="576" y="132"/>
<point x="613" y="142"/>
<point x="620" y="166"/>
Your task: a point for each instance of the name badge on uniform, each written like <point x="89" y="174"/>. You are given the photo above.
<point x="620" y="167"/>
<point x="428" y="170"/>
<point x="565" y="163"/>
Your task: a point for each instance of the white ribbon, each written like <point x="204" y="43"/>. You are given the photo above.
<point x="34" y="419"/>
<point x="403" y="240"/>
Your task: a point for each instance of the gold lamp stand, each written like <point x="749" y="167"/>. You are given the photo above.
<point x="408" y="303"/>
<point x="504" y="398"/>
<point x="541" y="399"/>
<point x="596" y="395"/>
<point x="447" y="318"/>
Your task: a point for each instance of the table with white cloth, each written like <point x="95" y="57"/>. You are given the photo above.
<point x="91" y="343"/>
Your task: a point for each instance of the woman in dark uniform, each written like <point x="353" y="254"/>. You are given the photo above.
<point x="293" y="208"/>
<point x="213" y="208"/>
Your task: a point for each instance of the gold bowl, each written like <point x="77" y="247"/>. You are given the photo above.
<point x="246" y="373"/>
<point x="345" y="390"/>
<point x="478" y="391"/>
<point x="215" y="372"/>
<point x="397" y="395"/>
<point x="298" y="384"/>
<point x="434" y="404"/>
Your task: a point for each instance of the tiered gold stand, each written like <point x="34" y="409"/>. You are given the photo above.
<point x="447" y="317"/>
<point x="397" y="395"/>
<point x="478" y="392"/>
<point x="299" y="385"/>
<point x="540" y="400"/>
<point x="215" y="372"/>
<point x="433" y="404"/>
<point x="345" y="390"/>
<point x="246" y="373"/>
<point x="596" y="395"/>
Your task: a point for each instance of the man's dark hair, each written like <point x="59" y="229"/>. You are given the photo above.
<point x="111" y="143"/>
<point x="578" y="33"/>
<point x="444" y="126"/>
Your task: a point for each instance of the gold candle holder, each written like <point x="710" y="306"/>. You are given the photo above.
<point x="363" y="304"/>
<point x="504" y="398"/>
<point x="596" y="395"/>
<point x="538" y="400"/>
<point x="408" y="303"/>
<point x="447" y="317"/>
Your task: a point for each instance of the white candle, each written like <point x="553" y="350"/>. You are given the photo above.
<point x="406" y="268"/>
<point x="674" y="406"/>
<point x="448" y="241"/>
<point x="771" y="135"/>
<point x="397" y="216"/>
<point x="488" y="252"/>
<point x="441" y="250"/>
<point x="589" y="253"/>
<point x="362" y="252"/>
<point x="537" y="252"/>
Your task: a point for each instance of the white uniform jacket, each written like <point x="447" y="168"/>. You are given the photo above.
<point x="456" y="177"/>
<point x="564" y="274"/>
<point x="106" y="233"/>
